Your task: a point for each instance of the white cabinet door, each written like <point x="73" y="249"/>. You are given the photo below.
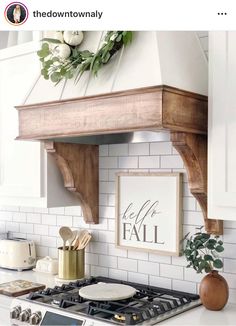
<point x="222" y="126"/>
<point x="27" y="176"/>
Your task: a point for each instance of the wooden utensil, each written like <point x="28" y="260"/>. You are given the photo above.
<point x="66" y="234"/>
<point x="74" y="234"/>
<point x="84" y="240"/>
<point x="78" y="238"/>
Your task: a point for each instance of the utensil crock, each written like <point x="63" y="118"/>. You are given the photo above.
<point x="70" y="264"/>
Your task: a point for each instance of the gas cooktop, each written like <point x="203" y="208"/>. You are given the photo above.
<point x="63" y="305"/>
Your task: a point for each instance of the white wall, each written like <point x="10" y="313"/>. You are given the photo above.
<point x="102" y="257"/>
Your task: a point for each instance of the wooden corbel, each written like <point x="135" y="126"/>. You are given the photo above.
<point x="79" y="167"/>
<point x="193" y="150"/>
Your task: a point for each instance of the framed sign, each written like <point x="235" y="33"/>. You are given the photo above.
<point x="148" y="211"/>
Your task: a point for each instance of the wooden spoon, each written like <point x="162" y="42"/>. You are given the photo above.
<point x="80" y="237"/>
<point x="74" y="234"/>
<point x="84" y="240"/>
<point x="66" y="234"/>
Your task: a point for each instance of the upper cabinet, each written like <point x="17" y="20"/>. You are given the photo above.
<point x="222" y="126"/>
<point x="28" y="176"/>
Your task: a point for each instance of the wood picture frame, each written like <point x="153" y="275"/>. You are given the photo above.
<point x="149" y="212"/>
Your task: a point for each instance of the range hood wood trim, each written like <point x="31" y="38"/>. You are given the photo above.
<point x="79" y="167"/>
<point x="150" y="108"/>
<point x="144" y="109"/>
<point x="193" y="150"/>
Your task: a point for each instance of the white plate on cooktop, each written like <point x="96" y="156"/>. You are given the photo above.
<point x="107" y="292"/>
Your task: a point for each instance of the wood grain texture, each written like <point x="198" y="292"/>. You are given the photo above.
<point x="79" y="167"/>
<point x="193" y="150"/>
<point x="214" y="291"/>
<point x="149" y="108"/>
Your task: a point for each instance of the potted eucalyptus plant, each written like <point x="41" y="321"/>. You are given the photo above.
<point x="202" y="253"/>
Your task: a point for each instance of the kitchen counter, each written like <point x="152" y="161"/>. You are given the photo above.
<point x="8" y="275"/>
<point x="196" y="316"/>
<point x="202" y="316"/>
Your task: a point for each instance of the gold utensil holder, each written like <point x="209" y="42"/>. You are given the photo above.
<point x="70" y="264"/>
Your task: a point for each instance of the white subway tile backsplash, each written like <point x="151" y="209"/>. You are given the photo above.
<point x="26" y="228"/>
<point x="107" y="211"/>
<point x="48" y="241"/>
<point x="193" y="218"/>
<point x="99" y="271"/>
<point x="107" y="187"/>
<point x="41" y="229"/>
<point x="73" y="210"/>
<point x="138" y="278"/>
<point x="172" y="161"/>
<point x="184" y="286"/>
<point x="103" y="199"/>
<point x="53" y="253"/>
<point x="49" y="219"/>
<point x="118" y="274"/>
<point x="130" y="162"/>
<point x="137" y="255"/>
<point x="230" y="250"/>
<point x="114" y="251"/>
<point x="160" y="148"/>
<point x="160" y="259"/>
<point x="108" y="162"/>
<point x="103" y="150"/>
<point x="12" y="226"/>
<point x="171" y="271"/>
<point x="230" y="265"/>
<point x="147" y="267"/>
<point x="108" y="261"/>
<point x="118" y="150"/>
<point x="150" y="162"/>
<point x="111" y="200"/>
<point x="232" y="296"/>
<point x="111" y="224"/>
<point x="16" y="217"/>
<point x="191" y="275"/>
<point x="99" y="247"/>
<point x="103" y="175"/>
<point x="229" y="235"/>
<point x="64" y="220"/>
<point x="33" y="218"/>
<point x="128" y="264"/>
<point x="91" y="259"/>
<point x="161" y="282"/>
<point x="42" y="251"/>
<point x="139" y="149"/>
<point x="102" y="256"/>
<point x="57" y="210"/>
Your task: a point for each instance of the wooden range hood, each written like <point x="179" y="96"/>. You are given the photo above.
<point x="61" y="124"/>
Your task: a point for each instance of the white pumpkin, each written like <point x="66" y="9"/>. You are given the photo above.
<point x="62" y="51"/>
<point x="73" y="38"/>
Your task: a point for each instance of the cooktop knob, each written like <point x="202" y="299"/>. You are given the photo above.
<point x="35" y="318"/>
<point x="25" y="315"/>
<point x="15" y="312"/>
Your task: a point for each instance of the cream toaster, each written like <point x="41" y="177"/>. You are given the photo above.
<point x="17" y="253"/>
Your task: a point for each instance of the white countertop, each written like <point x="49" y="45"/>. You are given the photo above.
<point x="196" y="316"/>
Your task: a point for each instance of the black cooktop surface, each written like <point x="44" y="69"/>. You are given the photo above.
<point x="147" y="303"/>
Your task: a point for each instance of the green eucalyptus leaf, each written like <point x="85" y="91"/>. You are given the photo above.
<point x="55" y="77"/>
<point x="219" y="248"/>
<point x="208" y="257"/>
<point x="210" y="246"/>
<point x="218" y="263"/>
<point x="51" y="40"/>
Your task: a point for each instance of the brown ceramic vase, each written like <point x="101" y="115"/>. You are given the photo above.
<point x="214" y="291"/>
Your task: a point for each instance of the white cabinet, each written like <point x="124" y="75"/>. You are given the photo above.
<point x="28" y="177"/>
<point x="222" y="126"/>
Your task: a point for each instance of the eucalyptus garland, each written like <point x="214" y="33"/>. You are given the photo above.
<point x="62" y="58"/>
